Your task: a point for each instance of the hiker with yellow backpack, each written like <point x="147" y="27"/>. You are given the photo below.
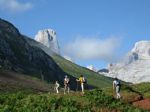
<point x="82" y="81"/>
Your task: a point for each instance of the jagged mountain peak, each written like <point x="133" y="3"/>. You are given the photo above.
<point x="135" y="65"/>
<point x="142" y="49"/>
<point x="48" y="38"/>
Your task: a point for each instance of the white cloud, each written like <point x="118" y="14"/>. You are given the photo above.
<point x="92" y="48"/>
<point x="14" y="6"/>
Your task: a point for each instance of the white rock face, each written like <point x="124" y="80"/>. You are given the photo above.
<point x="142" y="48"/>
<point x="48" y="38"/>
<point x="135" y="67"/>
<point x="91" y="67"/>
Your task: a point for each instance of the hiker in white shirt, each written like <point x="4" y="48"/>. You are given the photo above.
<point x="57" y="87"/>
<point x="116" y="87"/>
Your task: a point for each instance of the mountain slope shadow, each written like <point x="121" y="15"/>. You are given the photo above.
<point x="17" y="55"/>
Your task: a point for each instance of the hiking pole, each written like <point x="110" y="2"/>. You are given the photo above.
<point x="114" y="94"/>
<point x="77" y="86"/>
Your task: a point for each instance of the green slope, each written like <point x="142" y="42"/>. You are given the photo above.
<point x="92" y="101"/>
<point x="13" y="81"/>
<point x="142" y="88"/>
<point x="93" y="78"/>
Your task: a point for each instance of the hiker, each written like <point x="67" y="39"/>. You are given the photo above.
<point x="66" y="84"/>
<point x="85" y="83"/>
<point x="57" y="87"/>
<point x="82" y="81"/>
<point x="116" y="87"/>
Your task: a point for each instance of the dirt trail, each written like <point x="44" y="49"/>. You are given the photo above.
<point x="144" y="104"/>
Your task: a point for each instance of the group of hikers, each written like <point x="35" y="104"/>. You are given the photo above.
<point x="82" y="80"/>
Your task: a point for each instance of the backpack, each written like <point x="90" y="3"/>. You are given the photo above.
<point x="84" y="80"/>
<point x="118" y="83"/>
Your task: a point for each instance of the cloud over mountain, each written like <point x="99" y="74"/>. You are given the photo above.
<point x="91" y="48"/>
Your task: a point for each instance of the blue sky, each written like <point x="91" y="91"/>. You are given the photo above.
<point x="102" y="25"/>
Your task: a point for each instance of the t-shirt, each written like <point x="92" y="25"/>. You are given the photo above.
<point x="57" y="85"/>
<point x="66" y="80"/>
<point x="81" y="80"/>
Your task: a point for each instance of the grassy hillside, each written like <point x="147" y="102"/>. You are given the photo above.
<point x="143" y="89"/>
<point x="93" y="78"/>
<point x="21" y="93"/>
<point x="12" y="81"/>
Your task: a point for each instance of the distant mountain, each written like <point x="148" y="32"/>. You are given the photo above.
<point x="104" y="70"/>
<point x="48" y="38"/>
<point x="135" y="67"/>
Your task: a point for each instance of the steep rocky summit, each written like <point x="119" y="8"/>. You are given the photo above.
<point x="48" y="38"/>
<point x="135" y="67"/>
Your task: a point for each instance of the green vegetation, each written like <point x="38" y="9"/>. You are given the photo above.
<point x="143" y="88"/>
<point x="94" y="78"/>
<point x="92" y="101"/>
<point x="127" y="92"/>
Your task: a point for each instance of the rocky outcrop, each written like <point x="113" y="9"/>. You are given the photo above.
<point x="48" y="38"/>
<point x="142" y="50"/>
<point x="135" y="66"/>
<point x="91" y="67"/>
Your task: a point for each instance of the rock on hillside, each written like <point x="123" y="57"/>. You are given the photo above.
<point x="48" y="38"/>
<point x="18" y="55"/>
<point x="135" y="67"/>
